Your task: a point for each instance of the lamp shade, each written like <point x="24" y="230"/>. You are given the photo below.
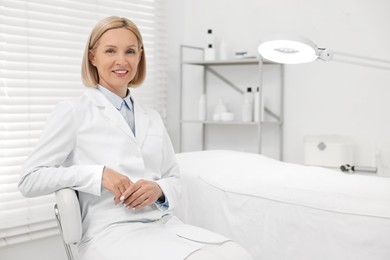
<point x="288" y="49"/>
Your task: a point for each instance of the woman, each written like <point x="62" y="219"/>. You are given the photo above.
<point x="118" y="156"/>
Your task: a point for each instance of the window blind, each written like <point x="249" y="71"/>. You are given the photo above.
<point x="41" y="47"/>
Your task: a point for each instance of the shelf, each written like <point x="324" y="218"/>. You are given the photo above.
<point x="238" y="61"/>
<point x="211" y="122"/>
<point x="215" y="68"/>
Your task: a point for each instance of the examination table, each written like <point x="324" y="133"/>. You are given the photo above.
<point x="279" y="210"/>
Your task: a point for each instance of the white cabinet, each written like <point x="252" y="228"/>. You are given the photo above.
<point x="229" y="79"/>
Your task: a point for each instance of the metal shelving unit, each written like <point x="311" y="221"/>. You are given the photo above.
<point x="208" y="68"/>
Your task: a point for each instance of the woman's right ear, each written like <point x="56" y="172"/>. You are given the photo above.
<point x="91" y="58"/>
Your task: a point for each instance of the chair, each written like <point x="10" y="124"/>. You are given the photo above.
<point x="68" y="215"/>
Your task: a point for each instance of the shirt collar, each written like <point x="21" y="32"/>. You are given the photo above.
<point x="116" y="100"/>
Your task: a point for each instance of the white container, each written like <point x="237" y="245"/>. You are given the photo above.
<point x="227" y="116"/>
<point x="247" y="106"/>
<point x="202" y="107"/>
<point x="209" y="37"/>
<point x="247" y="110"/>
<point x="328" y="151"/>
<point x="216" y="117"/>
<point x="220" y="107"/>
<point x="256" y="105"/>
<point x="209" y="53"/>
<point x="249" y="95"/>
<point x="222" y="50"/>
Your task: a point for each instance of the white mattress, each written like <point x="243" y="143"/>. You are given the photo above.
<point x="286" y="211"/>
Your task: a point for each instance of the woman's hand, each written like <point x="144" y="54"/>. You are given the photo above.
<point x="116" y="183"/>
<point x="141" y="194"/>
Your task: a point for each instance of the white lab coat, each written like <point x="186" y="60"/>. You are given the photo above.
<point x="81" y="137"/>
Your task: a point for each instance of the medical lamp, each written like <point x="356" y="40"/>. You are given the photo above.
<point x="292" y="49"/>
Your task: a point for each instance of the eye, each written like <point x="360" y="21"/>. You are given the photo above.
<point x="131" y="51"/>
<point x="110" y="50"/>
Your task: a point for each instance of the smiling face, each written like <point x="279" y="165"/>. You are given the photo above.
<point x="116" y="59"/>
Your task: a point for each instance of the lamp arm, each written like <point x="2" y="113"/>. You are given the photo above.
<point x="361" y="60"/>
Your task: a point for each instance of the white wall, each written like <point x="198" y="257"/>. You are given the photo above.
<point x="320" y="98"/>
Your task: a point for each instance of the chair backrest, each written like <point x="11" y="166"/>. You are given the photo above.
<point x="67" y="211"/>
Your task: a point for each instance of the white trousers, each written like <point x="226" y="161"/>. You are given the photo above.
<point x="227" y="251"/>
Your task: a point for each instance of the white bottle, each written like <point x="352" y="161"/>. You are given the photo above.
<point x="249" y="95"/>
<point x="256" y="105"/>
<point x="209" y="51"/>
<point x="202" y="107"/>
<point x="222" y="50"/>
<point x="247" y="110"/>
<point x="209" y="37"/>
<point x="247" y="106"/>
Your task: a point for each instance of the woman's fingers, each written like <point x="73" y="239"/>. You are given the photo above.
<point x="133" y="195"/>
<point x="116" y="183"/>
<point x="141" y="194"/>
<point x="141" y="203"/>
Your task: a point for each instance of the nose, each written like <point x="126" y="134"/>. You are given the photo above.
<point x="121" y="60"/>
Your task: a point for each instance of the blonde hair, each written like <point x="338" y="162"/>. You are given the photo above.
<point x="89" y="72"/>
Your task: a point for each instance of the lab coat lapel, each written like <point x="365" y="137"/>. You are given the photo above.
<point x="141" y="122"/>
<point x="110" y="112"/>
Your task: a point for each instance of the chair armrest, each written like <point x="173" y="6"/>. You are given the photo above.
<point x="68" y="215"/>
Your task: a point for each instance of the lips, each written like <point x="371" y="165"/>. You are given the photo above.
<point x="120" y="72"/>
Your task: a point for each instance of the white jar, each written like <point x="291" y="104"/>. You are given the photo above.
<point x="220" y="107"/>
<point x="227" y="116"/>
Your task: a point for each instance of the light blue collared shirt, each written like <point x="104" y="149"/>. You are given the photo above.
<point x="124" y="106"/>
